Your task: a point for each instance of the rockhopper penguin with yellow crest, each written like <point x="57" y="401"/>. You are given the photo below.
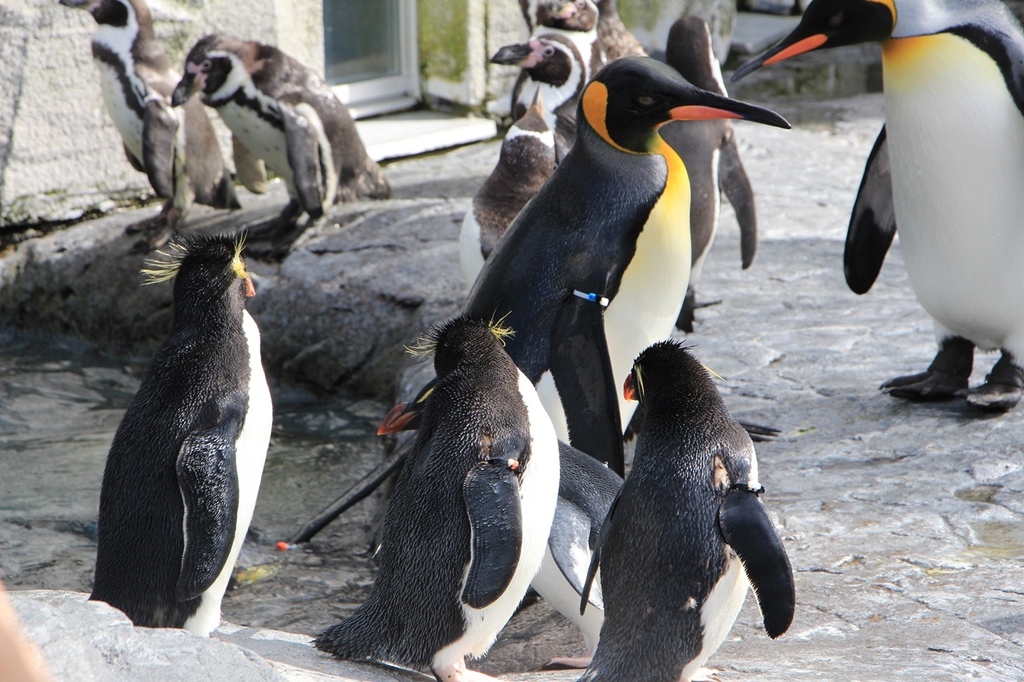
<point x="283" y="113"/>
<point x="947" y="168"/>
<point x="175" y="147"/>
<point x="685" y="534"/>
<point x="595" y="267"/>
<point x="184" y="469"/>
<point x="468" y="523"/>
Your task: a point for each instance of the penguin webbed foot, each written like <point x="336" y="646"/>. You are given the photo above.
<point x="156" y="230"/>
<point x="279" y="233"/>
<point x="945" y="378"/>
<point x="568" y="663"/>
<point x="1002" y="389"/>
<point x="457" y="672"/>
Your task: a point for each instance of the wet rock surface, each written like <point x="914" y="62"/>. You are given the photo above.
<point x="904" y="522"/>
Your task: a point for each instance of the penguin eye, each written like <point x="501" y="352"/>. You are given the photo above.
<point x="581" y="4"/>
<point x="548" y="51"/>
<point x="836" y="20"/>
<point x="645" y="100"/>
<point x="206" y="66"/>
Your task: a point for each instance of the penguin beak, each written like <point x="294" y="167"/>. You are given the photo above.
<point x="250" y="290"/>
<point x="707" y="105"/>
<point x="75" y="3"/>
<point x="186" y="87"/>
<point x="789" y="47"/>
<point x="397" y="418"/>
<point x="524" y="55"/>
<point x="629" y="389"/>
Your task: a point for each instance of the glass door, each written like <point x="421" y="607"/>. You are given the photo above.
<point x="370" y="54"/>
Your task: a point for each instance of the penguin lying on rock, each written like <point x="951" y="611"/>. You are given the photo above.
<point x="946" y="168"/>
<point x="712" y="157"/>
<point x="286" y="115"/>
<point x="526" y="161"/>
<point x="685" y="534"/>
<point x="467" y="526"/>
<point x="176" y="148"/>
<point x="184" y="469"/>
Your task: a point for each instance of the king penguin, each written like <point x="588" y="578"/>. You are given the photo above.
<point x="686" y="532"/>
<point x="553" y="68"/>
<point x="710" y="151"/>
<point x="286" y="115"/>
<point x="590" y="271"/>
<point x="467" y="525"/>
<point x="184" y="469"/>
<point x="946" y="168"/>
<point x="525" y="162"/>
<point x="176" y="148"/>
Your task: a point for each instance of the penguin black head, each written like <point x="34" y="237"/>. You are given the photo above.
<point x="567" y="15"/>
<point x="830" y="23"/>
<point x="459" y="340"/>
<point x="548" y="59"/>
<point x="112" y="12"/>
<point x="666" y="374"/>
<point x="630" y="98"/>
<point x="688" y="50"/>
<point x="207" y="271"/>
<point x="208" y="66"/>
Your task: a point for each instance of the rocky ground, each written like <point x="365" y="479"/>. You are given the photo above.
<point x="903" y="521"/>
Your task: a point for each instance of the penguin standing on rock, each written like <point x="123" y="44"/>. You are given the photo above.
<point x="467" y="526"/>
<point x="286" y="115"/>
<point x="184" y="469"/>
<point x="595" y="267"/>
<point x="710" y="151"/>
<point x="946" y="168"/>
<point x="526" y="161"/>
<point x="176" y="148"/>
<point x="686" y="532"/>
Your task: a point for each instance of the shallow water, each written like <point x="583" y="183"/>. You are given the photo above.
<point x="60" y="403"/>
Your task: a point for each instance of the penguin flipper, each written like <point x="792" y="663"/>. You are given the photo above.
<point x="491" y="493"/>
<point x="872" y="222"/>
<point x="746" y="527"/>
<point x="569" y="543"/>
<point x="303" y="147"/>
<point x="736" y="186"/>
<point x="595" y="559"/>
<point x="136" y="164"/>
<point x="159" y="130"/>
<point x="209" y="487"/>
<point x="582" y="370"/>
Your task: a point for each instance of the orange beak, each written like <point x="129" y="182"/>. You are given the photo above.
<point x="396" y="419"/>
<point x="629" y="389"/>
<point x="806" y="45"/>
<point x="250" y="290"/>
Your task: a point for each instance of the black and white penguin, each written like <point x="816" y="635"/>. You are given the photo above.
<point x="184" y="469"/>
<point x="467" y="525"/>
<point x="575" y="20"/>
<point x="525" y="162"/>
<point x="595" y="267"/>
<point x="945" y="168"/>
<point x="710" y="152"/>
<point x="686" y="533"/>
<point x="286" y="115"/>
<point x="176" y="148"/>
<point x="553" y="69"/>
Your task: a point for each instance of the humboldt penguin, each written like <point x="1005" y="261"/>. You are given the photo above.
<point x="595" y="267"/>
<point x="686" y="534"/>
<point x="175" y="147"/>
<point x="286" y="115"/>
<point x="184" y="468"/>
<point x="613" y="38"/>
<point x="553" y="68"/>
<point x="712" y="155"/>
<point x="526" y="160"/>
<point x="466" y="529"/>
<point x="946" y="169"/>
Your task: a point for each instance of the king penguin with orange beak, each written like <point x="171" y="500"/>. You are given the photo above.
<point x="589" y="273"/>
<point x="947" y="168"/>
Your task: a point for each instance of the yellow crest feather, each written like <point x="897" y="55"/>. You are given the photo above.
<point x="166" y="265"/>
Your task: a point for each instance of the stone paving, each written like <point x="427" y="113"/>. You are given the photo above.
<point x="903" y="521"/>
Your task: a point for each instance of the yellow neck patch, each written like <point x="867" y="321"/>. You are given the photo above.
<point x="909" y="63"/>
<point x="595" y="108"/>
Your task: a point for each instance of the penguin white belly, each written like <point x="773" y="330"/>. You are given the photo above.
<point x="261" y="137"/>
<point x="126" y="120"/>
<point x="654" y="283"/>
<point x="470" y="257"/>
<point x="719" y="612"/>
<point x="250" y="455"/>
<point x="538" y="494"/>
<point x="956" y="144"/>
<point x="561" y="596"/>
